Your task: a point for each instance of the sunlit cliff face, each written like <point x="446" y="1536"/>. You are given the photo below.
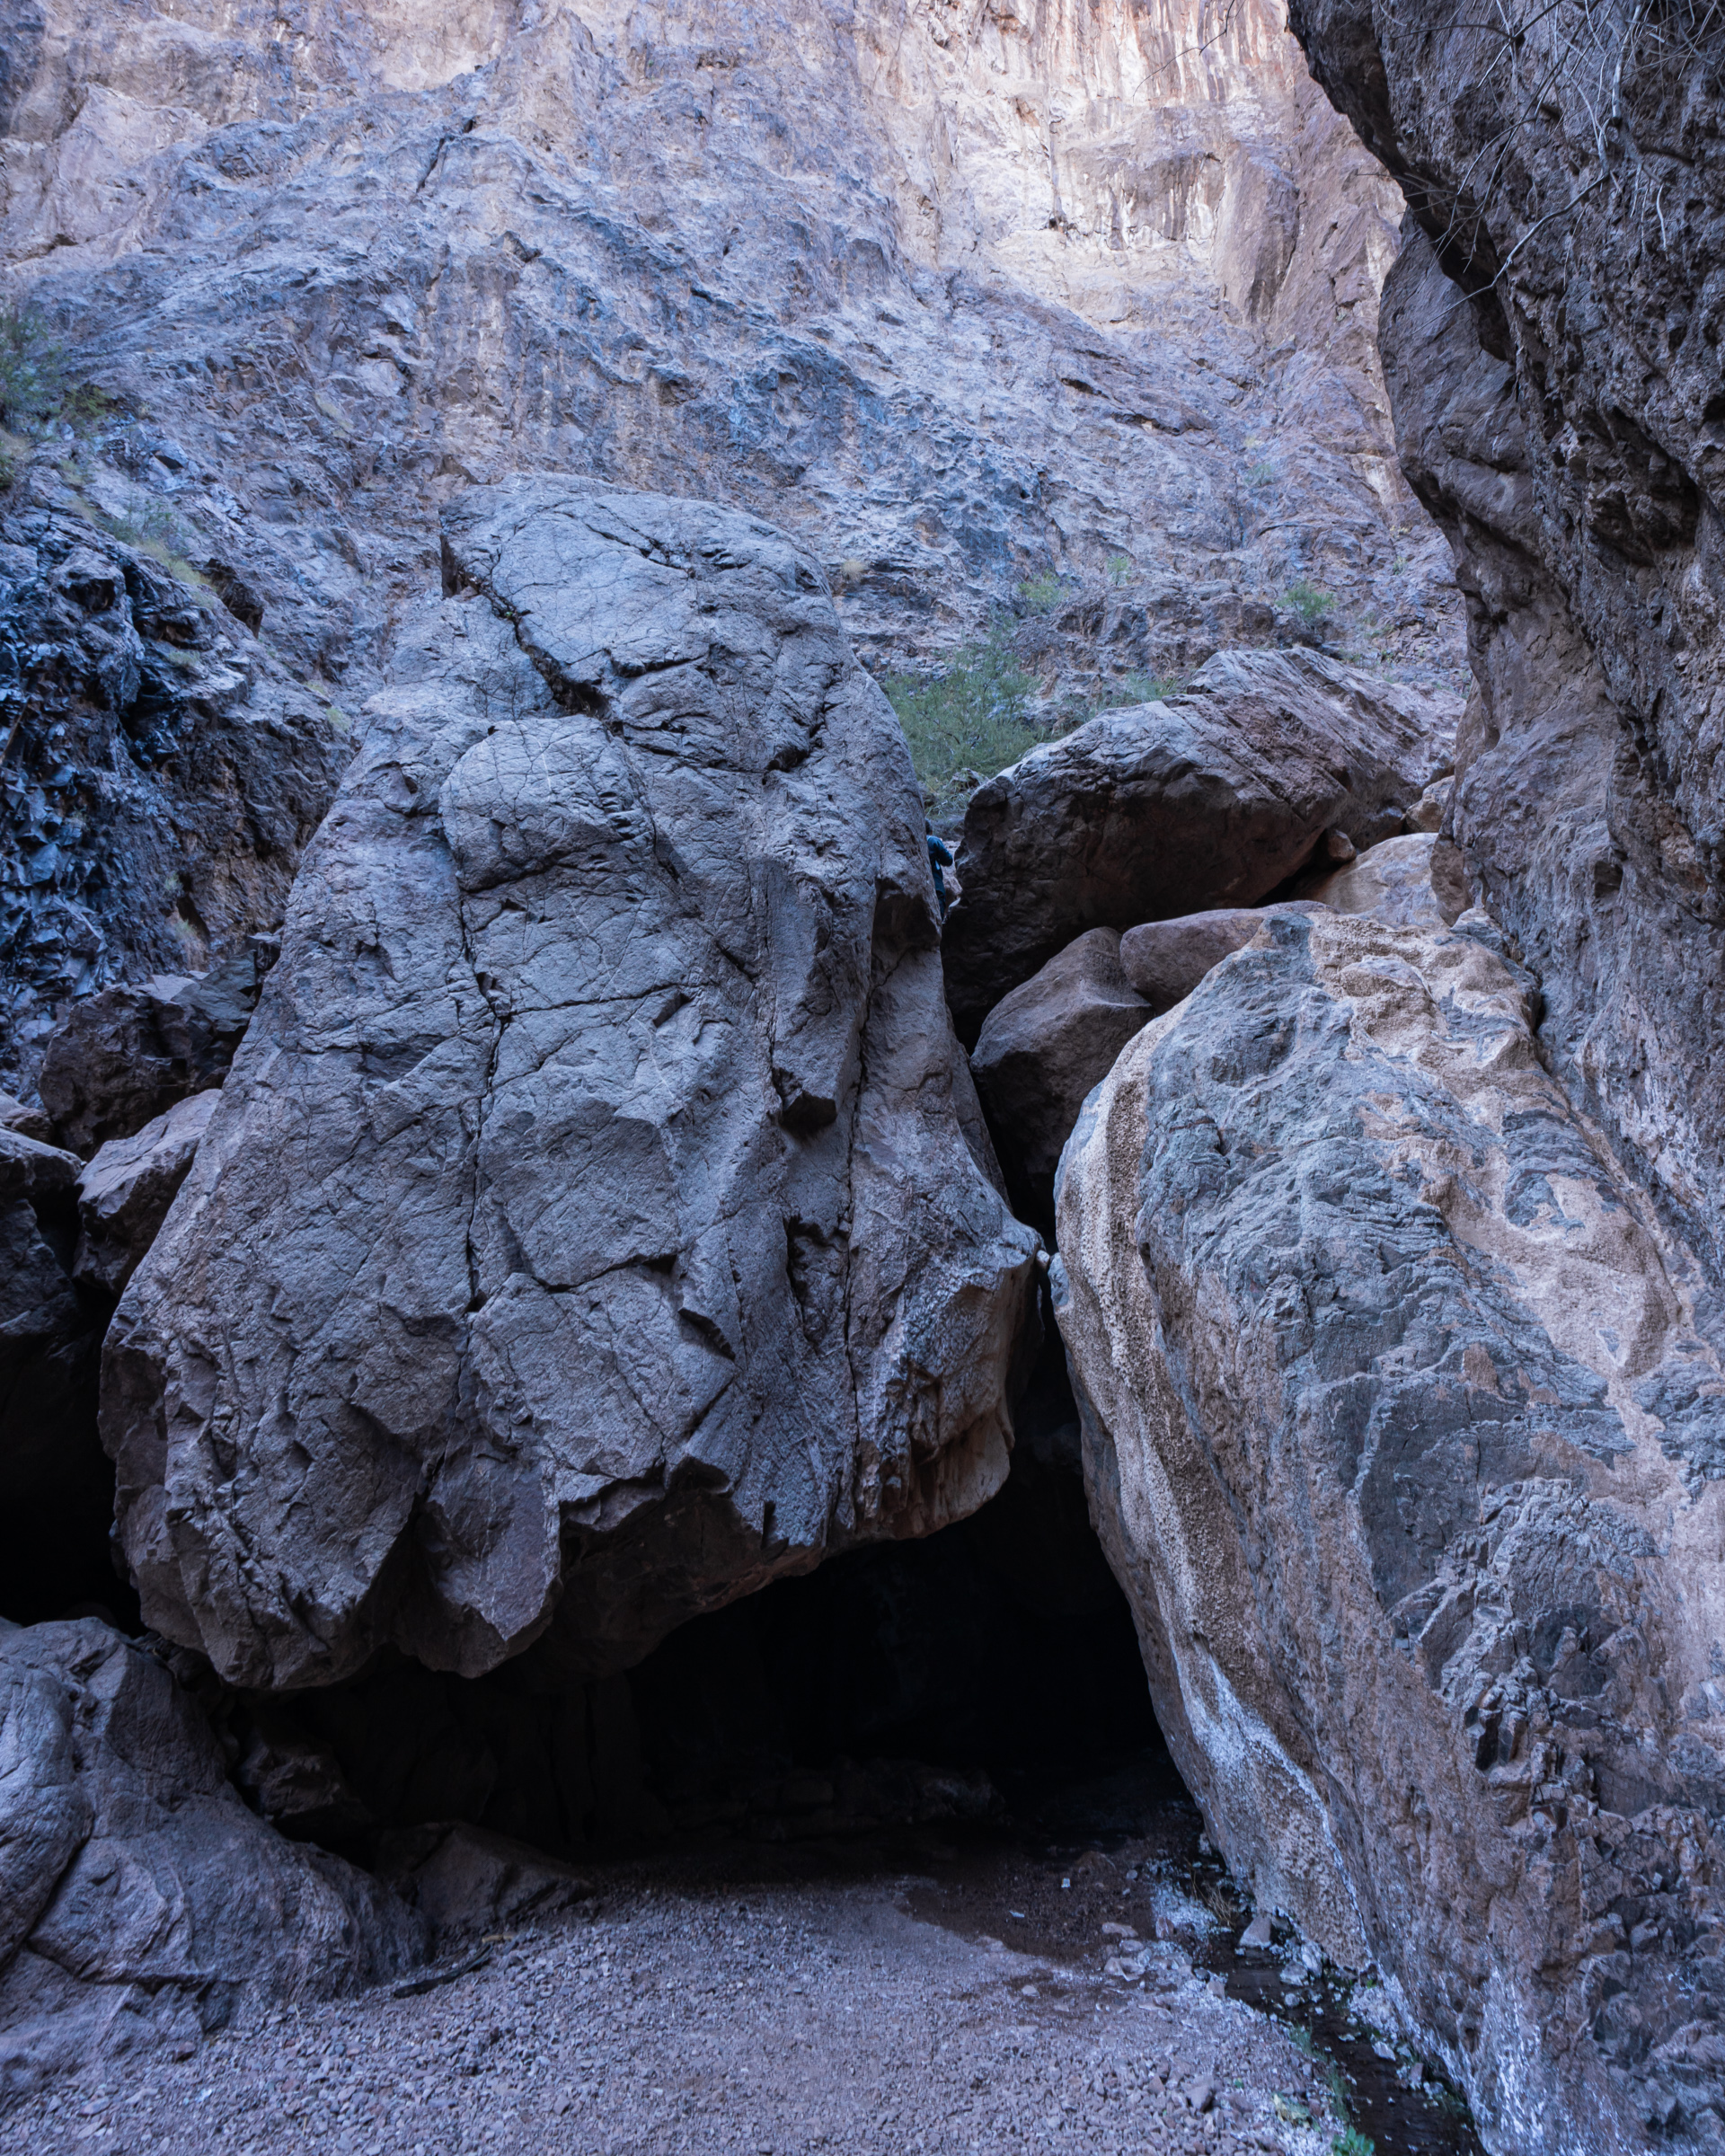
<point x="962" y="292"/>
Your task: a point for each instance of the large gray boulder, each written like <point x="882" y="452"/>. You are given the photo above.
<point x="1211" y="799"/>
<point x="599" y="1217"/>
<point x="1041" y="1049"/>
<point x="1404" y="1427"/>
<point x="139" y="1899"/>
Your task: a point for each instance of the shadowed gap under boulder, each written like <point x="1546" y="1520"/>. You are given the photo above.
<point x="984" y="1670"/>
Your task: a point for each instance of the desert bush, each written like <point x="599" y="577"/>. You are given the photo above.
<point x="972" y="717"/>
<point x="1310" y="601"/>
<point x="37" y="381"/>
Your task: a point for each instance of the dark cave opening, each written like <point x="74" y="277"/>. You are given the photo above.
<point x="978" y="1675"/>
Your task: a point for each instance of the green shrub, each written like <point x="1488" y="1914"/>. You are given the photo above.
<point x="1119" y="568"/>
<point x="971" y="716"/>
<point x="1042" y="595"/>
<point x="33" y="377"/>
<point x="36" y="380"/>
<point x="1352" y="2143"/>
<point x="1310" y="601"/>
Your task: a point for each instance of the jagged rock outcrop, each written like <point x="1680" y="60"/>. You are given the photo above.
<point x="597" y="1217"/>
<point x="160" y="774"/>
<point x="124" y="1191"/>
<point x="1404" y="1421"/>
<point x="139" y="1899"/>
<point x="1550" y="342"/>
<point x="1209" y="799"/>
<point x="961" y="294"/>
<point x="1040" y="1050"/>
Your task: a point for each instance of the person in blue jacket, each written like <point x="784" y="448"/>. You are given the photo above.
<point x="939" y="856"/>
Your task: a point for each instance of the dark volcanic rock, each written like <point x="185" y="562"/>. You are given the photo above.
<point x="119" y="1059"/>
<point x="161" y="775"/>
<point x="1549" y="335"/>
<point x="1039" y="1052"/>
<point x="1405" y="1423"/>
<point x="1211" y="798"/>
<point x="138" y="1897"/>
<point x="598" y="1216"/>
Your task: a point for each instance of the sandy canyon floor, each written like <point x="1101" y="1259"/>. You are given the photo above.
<point x="918" y="1994"/>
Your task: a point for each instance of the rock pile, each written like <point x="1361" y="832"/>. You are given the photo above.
<point x="1211" y="798"/>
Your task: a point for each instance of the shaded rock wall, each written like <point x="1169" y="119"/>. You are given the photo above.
<point x="1551" y="338"/>
<point x="1402" y="1428"/>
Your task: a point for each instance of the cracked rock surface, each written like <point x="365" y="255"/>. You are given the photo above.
<point x="599" y="1217"/>
<point x="1403" y="1421"/>
<point x="139" y="1899"/>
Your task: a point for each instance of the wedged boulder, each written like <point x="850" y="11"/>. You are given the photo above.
<point x="124" y="1191"/>
<point x="56" y="1486"/>
<point x="139" y="1899"/>
<point x="1405" y="1434"/>
<point x="118" y="1060"/>
<point x="1211" y="799"/>
<point x="1164" y="960"/>
<point x="1412" y="882"/>
<point x="1041" y="1049"/>
<point x="599" y="1216"/>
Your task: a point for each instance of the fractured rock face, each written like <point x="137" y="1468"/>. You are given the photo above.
<point x="945" y="291"/>
<point x="1211" y="798"/>
<point x="161" y="775"/>
<point x="1575" y="471"/>
<point x="591" y="1221"/>
<point x="125" y="1192"/>
<point x="1041" y="1049"/>
<point x="1404" y="1424"/>
<point x="138" y="1897"/>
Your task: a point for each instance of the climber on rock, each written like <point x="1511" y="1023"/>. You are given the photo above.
<point x="940" y="858"/>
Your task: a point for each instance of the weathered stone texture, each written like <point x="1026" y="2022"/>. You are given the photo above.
<point x="160" y="775"/>
<point x="1404" y="1422"/>
<point x="592" y="1220"/>
<point x="1209" y="799"/>
<point x="1551" y="338"/>
<point x="139" y="1899"/>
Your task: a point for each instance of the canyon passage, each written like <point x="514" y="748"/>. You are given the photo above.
<point x="861" y="939"/>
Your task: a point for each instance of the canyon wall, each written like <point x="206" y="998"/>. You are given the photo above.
<point x="960" y="295"/>
<point x="1551" y="336"/>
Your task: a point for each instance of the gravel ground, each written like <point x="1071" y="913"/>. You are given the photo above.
<point x="694" y="2011"/>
